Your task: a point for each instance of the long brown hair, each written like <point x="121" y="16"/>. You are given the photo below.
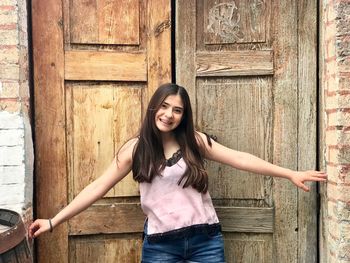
<point x="148" y="158"/>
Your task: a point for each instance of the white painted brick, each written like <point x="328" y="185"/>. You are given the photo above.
<point x="10" y="120"/>
<point x="13" y="155"/>
<point x="12" y="174"/>
<point x="9" y="2"/>
<point x="11" y="137"/>
<point x="9" y="17"/>
<point x="14" y="207"/>
<point x="9" y="37"/>
<point x="11" y="194"/>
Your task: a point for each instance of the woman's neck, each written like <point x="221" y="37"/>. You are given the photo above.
<point x="168" y="137"/>
<point x="170" y="144"/>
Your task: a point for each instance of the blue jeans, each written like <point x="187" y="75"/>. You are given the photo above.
<point x="201" y="248"/>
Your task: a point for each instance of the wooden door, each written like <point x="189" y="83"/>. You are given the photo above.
<point x="96" y="63"/>
<point x="250" y="67"/>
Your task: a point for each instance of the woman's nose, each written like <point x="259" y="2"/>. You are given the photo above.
<point x="169" y="113"/>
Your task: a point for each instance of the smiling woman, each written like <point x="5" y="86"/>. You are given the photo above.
<point x="167" y="159"/>
<point x="169" y="115"/>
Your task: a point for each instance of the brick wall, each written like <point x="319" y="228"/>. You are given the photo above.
<point x="335" y="84"/>
<point x="16" y="150"/>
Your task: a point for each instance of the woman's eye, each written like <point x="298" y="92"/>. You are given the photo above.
<point x="163" y="106"/>
<point x="178" y="111"/>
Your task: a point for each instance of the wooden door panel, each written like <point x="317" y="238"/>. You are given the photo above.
<point x="234" y="21"/>
<point x="234" y="63"/>
<point x="239" y="61"/>
<point x="108" y="217"/>
<point x="99" y="118"/>
<point x="104" y="22"/>
<point x="108" y="58"/>
<point x="108" y="66"/>
<point x="247" y="102"/>
<point x="106" y="249"/>
<point x="248" y="248"/>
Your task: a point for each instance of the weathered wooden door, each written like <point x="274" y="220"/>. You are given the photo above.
<point x="96" y="62"/>
<point x="250" y="66"/>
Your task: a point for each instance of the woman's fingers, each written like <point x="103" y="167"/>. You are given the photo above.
<point x="316" y="176"/>
<point x="37" y="228"/>
<point x="304" y="187"/>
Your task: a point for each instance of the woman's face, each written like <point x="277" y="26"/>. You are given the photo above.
<point x="170" y="113"/>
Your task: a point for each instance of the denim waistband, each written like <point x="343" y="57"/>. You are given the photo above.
<point x="185" y="232"/>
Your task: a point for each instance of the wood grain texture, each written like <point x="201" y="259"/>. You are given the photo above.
<point x="126" y="125"/>
<point x="90" y="139"/>
<point x="106" y="249"/>
<point x="50" y="141"/>
<point x="98" y="108"/>
<point x="158" y="46"/>
<point x="307" y="123"/>
<point x="321" y="125"/>
<point x="83" y="21"/>
<point x="239" y="63"/>
<point x="100" y="118"/>
<point x="185" y="47"/>
<point x="108" y="219"/>
<point x="234" y="22"/>
<point x="98" y="65"/>
<point x="248" y="248"/>
<point x="119" y="22"/>
<point x="244" y="219"/>
<point x="104" y="22"/>
<point x="285" y="132"/>
<point x="239" y="112"/>
<point x="226" y="33"/>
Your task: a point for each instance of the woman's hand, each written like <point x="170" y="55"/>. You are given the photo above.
<point x="38" y="227"/>
<point x="299" y="178"/>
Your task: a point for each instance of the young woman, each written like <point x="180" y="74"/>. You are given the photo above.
<point x="167" y="159"/>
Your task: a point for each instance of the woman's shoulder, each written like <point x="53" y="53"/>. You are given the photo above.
<point x="204" y="139"/>
<point x="127" y="149"/>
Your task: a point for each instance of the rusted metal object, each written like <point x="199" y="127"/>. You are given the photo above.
<point x="13" y="242"/>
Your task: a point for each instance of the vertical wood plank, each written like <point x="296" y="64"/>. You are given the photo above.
<point x="127" y="119"/>
<point x="105" y="249"/>
<point x="49" y="95"/>
<point x="307" y="121"/>
<point x="248" y="248"/>
<point x="185" y="48"/>
<point x="245" y="16"/>
<point x="323" y="228"/>
<point x="285" y="128"/>
<point x="83" y="21"/>
<point x="239" y="112"/>
<point x="118" y="21"/>
<point x="90" y="122"/>
<point x="159" y="45"/>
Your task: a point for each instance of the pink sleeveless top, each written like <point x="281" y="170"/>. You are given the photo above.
<point x="168" y="206"/>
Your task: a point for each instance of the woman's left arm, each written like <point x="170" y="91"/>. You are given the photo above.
<point x="248" y="162"/>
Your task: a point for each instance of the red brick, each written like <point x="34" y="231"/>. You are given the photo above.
<point x="7" y="7"/>
<point x="10" y="105"/>
<point x="8" y="26"/>
<point x="339" y="173"/>
<point x="330" y="59"/>
<point x="338" y="119"/>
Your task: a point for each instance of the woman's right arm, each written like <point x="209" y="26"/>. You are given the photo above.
<point x="118" y="169"/>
